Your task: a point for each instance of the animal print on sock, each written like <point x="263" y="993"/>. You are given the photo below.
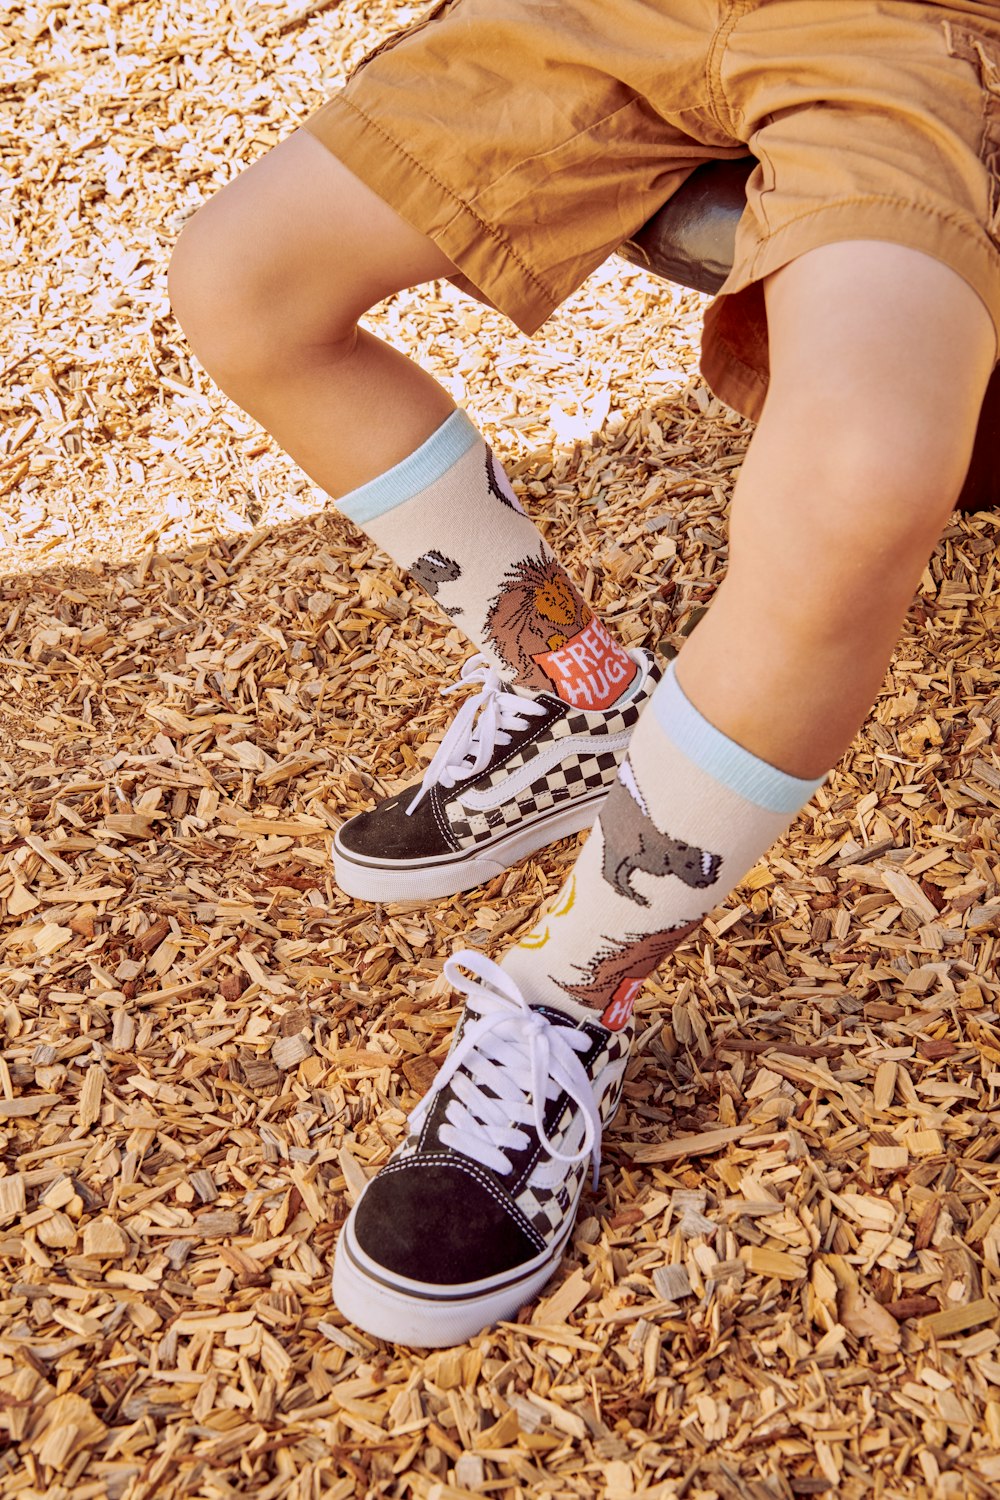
<point x="540" y="626"/>
<point x="500" y="486"/>
<point x="633" y="842"/>
<point x="690" y="813"/>
<point x="614" y="973"/>
<point x="537" y="609"/>
<point x="433" y="569"/>
<point x="449" y="515"/>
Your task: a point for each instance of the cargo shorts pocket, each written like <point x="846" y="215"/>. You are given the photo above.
<point x="982" y="52"/>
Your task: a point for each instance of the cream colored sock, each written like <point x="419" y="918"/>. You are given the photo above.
<point x="690" y="814"/>
<point x="448" y="516"/>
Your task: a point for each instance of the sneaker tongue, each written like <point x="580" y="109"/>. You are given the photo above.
<point x="569" y="1012"/>
<point x="519" y="1160"/>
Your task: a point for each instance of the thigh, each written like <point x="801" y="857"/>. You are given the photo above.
<point x="879" y="360"/>
<point x="869" y="122"/>
<point x="880" y="356"/>
<point x="882" y="336"/>
<point x="300" y="237"/>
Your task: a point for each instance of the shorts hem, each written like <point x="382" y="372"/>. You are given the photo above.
<point x="482" y="254"/>
<point x="959" y="243"/>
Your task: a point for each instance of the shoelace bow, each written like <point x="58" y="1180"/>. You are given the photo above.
<point x="522" y="1059"/>
<point x="480" y="725"/>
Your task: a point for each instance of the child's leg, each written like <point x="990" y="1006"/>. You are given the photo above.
<point x="269" y="280"/>
<point x="879" y="359"/>
<point x="880" y="356"/>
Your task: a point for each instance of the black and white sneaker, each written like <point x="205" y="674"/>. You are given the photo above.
<point x="516" y="770"/>
<point x="470" y="1216"/>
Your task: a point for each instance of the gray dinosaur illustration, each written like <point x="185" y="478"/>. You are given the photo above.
<point x="431" y="570"/>
<point x="633" y="842"/>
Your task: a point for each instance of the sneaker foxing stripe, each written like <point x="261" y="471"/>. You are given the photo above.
<point x="472" y="851"/>
<point x="523" y="778"/>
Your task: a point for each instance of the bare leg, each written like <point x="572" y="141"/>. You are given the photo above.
<point x="268" y="281"/>
<point x="880" y="357"/>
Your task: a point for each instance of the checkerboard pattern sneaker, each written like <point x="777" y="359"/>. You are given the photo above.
<point x="516" y="770"/>
<point x="470" y="1216"/>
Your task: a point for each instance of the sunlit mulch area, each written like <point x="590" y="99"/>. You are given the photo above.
<point x="787" y="1283"/>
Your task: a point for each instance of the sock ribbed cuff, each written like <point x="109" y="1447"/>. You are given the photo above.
<point x="722" y="758"/>
<point x="424" y="467"/>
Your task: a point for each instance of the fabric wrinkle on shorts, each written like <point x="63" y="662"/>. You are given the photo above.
<point x="983" y="53"/>
<point x="529" y="138"/>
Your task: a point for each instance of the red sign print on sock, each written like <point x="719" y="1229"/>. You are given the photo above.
<point x="617" y="1013"/>
<point x="591" y="670"/>
<point x="545" y="632"/>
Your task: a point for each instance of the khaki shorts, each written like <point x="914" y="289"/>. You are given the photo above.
<point x="529" y="138"/>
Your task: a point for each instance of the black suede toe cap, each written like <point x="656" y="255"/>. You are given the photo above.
<point x="390" y="832"/>
<point x="446" y="1222"/>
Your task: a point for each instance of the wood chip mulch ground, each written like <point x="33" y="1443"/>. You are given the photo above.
<point x="789" y="1282"/>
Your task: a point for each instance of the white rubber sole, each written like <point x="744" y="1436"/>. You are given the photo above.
<point x="422" y="1316"/>
<point x="416" y="880"/>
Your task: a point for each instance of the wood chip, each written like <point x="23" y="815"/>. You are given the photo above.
<point x="289" y="1051"/>
<point x="868" y="1320"/>
<point x="954" y="1320"/>
<point x="765" y="1262"/>
<point x="672" y="1282"/>
<point x="12" y="1196"/>
<point x="557" y="1308"/>
<point x="888" y="1158"/>
<point x="208" y="1049"/>
<point x="701" y="1144"/>
<point x="103" y="1237"/>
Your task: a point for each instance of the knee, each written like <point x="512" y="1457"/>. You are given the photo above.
<point x="869" y="460"/>
<point x="843" y="516"/>
<point x="216" y="288"/>
<point x="868" y="492"/>
<point x="245" y="301"/>
<point x="887" y="491"/>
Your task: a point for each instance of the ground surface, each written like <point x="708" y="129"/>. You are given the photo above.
<point x="787" y="1283"/>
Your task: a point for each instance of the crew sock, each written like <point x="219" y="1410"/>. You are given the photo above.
<point x="690" y="814"/>
<point x="447" y="515"/>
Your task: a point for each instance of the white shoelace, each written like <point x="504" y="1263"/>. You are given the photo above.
<point x="481" y="724"/>
<point x="521" y="1058"/>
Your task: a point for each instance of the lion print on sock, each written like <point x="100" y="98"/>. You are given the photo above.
<point x="500" y="486"/>
<point x="536" y="610"/>
<point x="633" y="842"/>
<point x="616" y="971"/>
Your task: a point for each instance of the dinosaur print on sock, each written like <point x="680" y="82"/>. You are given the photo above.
<point x="633" y="842"/>
<point x="431" y="570"/>
<point x="615" y="974"/>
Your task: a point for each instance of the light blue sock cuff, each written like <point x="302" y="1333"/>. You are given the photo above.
<point x="426" y="466"/>
<point x="721" y="757"/>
